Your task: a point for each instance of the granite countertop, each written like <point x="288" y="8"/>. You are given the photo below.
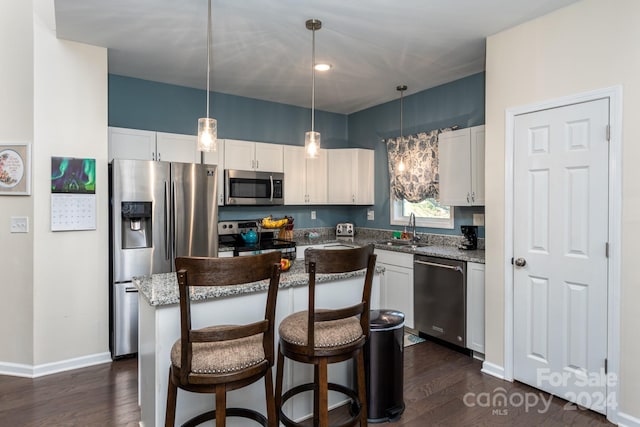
<point x="431" y="249"/>
<point x="162" y="289"/>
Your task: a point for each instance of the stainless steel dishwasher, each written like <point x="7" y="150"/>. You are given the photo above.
<point x="439" y="298"/>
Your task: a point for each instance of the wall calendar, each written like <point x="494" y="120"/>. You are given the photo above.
<point x="73" y="194"/>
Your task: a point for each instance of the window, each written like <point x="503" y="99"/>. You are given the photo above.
<point x="429" y="213"/>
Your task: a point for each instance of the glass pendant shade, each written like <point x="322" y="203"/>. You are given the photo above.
<point x="207" y="134"/>
<point x="311" y="145"/>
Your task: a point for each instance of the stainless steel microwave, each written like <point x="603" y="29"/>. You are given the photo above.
<point x="253" y="188"/>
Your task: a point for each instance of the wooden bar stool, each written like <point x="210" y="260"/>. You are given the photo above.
<point x="322" y="336"/>
<point x="217" y="359"/>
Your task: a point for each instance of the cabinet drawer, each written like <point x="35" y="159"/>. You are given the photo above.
<point x="394" y="258"/>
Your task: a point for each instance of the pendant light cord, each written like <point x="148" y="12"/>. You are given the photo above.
<point x="208" y="52"/>
<point x="313" y="77"/>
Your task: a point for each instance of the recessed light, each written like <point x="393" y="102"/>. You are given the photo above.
<point x="323" y="67"/>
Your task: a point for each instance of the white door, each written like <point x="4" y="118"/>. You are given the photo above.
<point x="560" y="237"/>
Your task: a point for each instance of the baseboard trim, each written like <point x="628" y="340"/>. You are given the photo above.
<point x="30" y="371"/>
<point x="626" y="420"/>
<point x="493" y="370"/>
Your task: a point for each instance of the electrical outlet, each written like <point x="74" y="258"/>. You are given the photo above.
<point x="370" y="215"/>
<point x="19" y="224"/>
<point x="313" y="214"/>
<point x="478" y="219"/>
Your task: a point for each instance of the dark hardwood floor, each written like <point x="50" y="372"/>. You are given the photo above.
<point x="436" y="381"/>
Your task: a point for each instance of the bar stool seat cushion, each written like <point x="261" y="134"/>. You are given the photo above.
<point x="332" y="333"/>
<point x="223" y="356"/>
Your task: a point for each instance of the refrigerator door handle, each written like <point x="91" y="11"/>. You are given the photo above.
<point x="271" y="195"/>
<point x="166" y="221"/>
<point x="173" y="220"/>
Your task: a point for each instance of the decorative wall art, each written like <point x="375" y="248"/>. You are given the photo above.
<point x="15" y="169"/>
<point x="73" y="194"/>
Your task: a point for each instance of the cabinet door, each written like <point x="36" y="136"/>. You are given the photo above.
<point x="217" y="158"/>
<point x="340" y="177"/>
<point x="475" y="306"/>
<point x="398" y="291"/>
<point x="172" y="147"/>
<point x="132" y="144"/>
<point x="316" y="178"/>
<point x="397" y="285"/>
<point x="294" y="175"/>
<point x="269" y="157"/>
<point x="239" y="155"/>
<point x="454" y="164"/>
<point x="477" y="165"/>
<point x="365" y="177"/>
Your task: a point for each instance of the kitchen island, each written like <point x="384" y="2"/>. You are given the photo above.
<point x="159" y="328"/>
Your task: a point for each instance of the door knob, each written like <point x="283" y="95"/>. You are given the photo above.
<point x="520" y="262"/>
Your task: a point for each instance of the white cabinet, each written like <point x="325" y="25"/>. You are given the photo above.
<point x="135" y="144"/>
<point x="217" y="158"/>
<point x="249" y="155"/>
<point x="396" y="286"/>
<point x="305" y="180"/>
<point x="350" y="176"/>
<point x="461" y="167"/>
<point x="475" y="307"/>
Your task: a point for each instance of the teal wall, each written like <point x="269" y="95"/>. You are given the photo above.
<point x="142" y="104"/>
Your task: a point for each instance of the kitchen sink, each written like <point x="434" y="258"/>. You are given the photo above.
<point x="398" y="243"/>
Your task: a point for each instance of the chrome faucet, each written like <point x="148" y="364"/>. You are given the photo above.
<point x="412" y="226"/>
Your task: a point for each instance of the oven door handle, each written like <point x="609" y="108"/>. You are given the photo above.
<point x="433" y="264"/>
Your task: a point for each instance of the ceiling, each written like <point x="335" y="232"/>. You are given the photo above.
<point x="262" y="49"/>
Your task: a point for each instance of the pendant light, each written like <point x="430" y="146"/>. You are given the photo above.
<point x="208" y="127"/>
<point x="402" y="165"/>
<point x="312" y="138"/>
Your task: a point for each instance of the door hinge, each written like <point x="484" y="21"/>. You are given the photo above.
<point x="608" y="133"/>
<point x="606" y="249"/>
<point x="606" y="366"/>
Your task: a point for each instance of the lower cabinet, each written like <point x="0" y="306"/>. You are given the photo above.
<point x="475" y="307"/>
<point x="396" y="285"/>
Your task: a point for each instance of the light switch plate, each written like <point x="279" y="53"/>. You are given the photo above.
<point x="313" y="214"/>
<point x="478" y="219"/>
<point x="370" y="215"/>
<point x="19" y="224"/>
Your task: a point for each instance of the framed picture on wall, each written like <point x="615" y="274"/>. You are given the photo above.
<point x="15" y="169"/>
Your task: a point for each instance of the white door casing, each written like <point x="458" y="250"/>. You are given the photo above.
<point x="560" y="229"/>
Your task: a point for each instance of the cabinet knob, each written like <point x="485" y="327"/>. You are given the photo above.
<point x="468" y="198"/>
<point x="520" y="262"/>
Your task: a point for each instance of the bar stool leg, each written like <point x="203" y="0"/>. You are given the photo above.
<point x="172" y="394"/>
<point x="362" y="391"/>
<point x="221" y="405"/>
<point x="279" y="375"/>
<point x="271" y="403"/>
<point x="323" y="392"/>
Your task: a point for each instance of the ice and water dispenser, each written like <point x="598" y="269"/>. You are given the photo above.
<point x="136" y="225"/>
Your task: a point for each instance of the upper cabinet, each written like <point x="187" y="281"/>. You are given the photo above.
<point x="351" y="176"/>
<point x="137" y="144"/>
<point x="305" y="180"/>
<point x="217" y="158"/>
<point x="249" y="155"/>
<point x="461" y="166"/>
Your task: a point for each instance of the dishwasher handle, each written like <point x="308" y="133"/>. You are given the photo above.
<point x="433" y="264"/>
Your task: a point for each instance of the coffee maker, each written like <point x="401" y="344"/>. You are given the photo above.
<point x="469" y="237"/>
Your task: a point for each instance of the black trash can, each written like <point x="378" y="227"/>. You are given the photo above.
<point x="383" y="359"/>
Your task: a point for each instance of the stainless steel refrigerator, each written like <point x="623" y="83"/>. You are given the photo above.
<point x="158" y="210"/>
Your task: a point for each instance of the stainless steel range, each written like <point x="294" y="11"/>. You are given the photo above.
<point x="246" y="237"/>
